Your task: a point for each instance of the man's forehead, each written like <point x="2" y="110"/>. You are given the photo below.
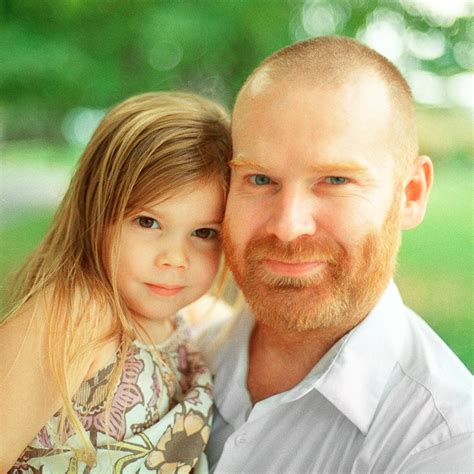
<point x="267" y="81"/>
<point x="259" y="82"/>
<point x="332" y="129"/>
<point x="361" y="99"/>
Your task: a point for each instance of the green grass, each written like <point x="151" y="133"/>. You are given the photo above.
<point x="18" y="240"/>
<point x="30" y="152"/>
<point x="435" y="272"/>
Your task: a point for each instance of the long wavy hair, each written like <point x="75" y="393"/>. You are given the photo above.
<point x="145" y="149"/>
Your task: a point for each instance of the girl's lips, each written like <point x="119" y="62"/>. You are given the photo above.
<point x="164" y="290"/>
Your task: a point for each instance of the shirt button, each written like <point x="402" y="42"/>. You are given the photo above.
<point x="240" y="440"/>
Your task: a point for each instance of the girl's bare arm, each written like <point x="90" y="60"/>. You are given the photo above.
<point x="28" y="395"/>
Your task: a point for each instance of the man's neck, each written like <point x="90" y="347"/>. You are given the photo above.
<point x="280" y="359"/>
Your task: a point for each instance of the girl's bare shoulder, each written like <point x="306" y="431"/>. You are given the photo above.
<point x="22" y="335"/>
<point x="30" y="394"/>
<point x="25" y="333"/>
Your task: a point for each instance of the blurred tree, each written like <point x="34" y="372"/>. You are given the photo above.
<point x="57" y="55"/>
<point x="63" y="62"/>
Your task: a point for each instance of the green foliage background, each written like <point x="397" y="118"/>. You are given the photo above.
<point x="59" y="57"/>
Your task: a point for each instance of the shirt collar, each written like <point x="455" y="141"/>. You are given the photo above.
<point x="352" y="375"/>
<point x="357" y="377"/>
<point x="229" y="366"/>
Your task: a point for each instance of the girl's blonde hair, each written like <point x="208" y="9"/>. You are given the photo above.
<point x="145" y="149"/>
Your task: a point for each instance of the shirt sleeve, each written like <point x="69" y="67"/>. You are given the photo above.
<point x="453" y="456"/>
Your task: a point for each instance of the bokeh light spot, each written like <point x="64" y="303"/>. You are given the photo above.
<point x="79" y="124"/>
<point x="427" y="88"/>
<point x="165" y="56"/>
<point x="384" y="32"/>
<point x="426" y="45"/>
<point x="460" y="88"/>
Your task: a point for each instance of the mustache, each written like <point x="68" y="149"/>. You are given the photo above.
<point x="304" y="249"/>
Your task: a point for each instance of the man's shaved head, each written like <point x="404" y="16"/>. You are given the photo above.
<point x="333" y="61"/>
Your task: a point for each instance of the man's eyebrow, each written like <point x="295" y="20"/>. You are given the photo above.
<point x="340" y="167"/>
<point x="319" y="168"/>
<point x="244" y="163"/>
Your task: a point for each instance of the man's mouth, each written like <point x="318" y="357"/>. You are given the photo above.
<point x="292" y="269"/>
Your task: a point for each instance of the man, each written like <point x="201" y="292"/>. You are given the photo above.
<point x="328" y="371"/>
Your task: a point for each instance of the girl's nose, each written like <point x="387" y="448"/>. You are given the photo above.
<point x="171" y="254"/>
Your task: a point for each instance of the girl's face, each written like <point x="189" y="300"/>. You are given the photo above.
<point x="168" y="253"/>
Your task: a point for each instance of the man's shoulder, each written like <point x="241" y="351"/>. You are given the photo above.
<point x="431" y="422"/>
<point x="432" y="371"/>
<point x="404" y="370"/>
<point x="425" y="398"/>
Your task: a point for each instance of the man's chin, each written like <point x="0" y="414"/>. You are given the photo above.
<point x="297" y="307"/>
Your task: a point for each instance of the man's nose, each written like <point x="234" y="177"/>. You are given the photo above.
<point x="171" y="254"/>
<point x="292" y="216"/>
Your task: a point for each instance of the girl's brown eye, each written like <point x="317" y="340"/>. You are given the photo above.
<point x="147" y="222"/>
<point x="205" y="233"/>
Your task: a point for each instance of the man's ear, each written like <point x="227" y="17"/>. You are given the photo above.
<point x="416" y="190"/>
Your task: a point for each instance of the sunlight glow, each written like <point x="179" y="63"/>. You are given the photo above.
<point x="384" y="32"/>
<point x="439" y="12"/>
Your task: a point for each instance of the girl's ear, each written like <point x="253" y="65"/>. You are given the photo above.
<point x="416" y="191"/>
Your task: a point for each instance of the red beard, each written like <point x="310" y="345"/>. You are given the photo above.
<point x="339" y="295"/>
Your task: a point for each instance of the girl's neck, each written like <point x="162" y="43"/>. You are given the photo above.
<point x="155" y="331"/>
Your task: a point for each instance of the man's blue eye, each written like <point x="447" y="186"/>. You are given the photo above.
<point x="260" y="179"/>
<point x="205" y="233"/>
<point x="147" y="222"/>
<point x="335" y="180"/>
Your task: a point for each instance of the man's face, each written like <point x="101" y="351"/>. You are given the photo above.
<point x="312" y="223"/>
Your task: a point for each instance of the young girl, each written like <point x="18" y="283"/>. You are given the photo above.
<point x="97" y="374"/>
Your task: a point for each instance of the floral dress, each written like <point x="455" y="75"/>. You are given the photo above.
<point x="159" y="420"/>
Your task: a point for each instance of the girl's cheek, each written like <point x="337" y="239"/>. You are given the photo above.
<point x="214" y="261"/>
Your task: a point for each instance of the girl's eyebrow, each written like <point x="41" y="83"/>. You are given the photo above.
<point x="147" y="210"/>
<point x="209" y="224"/>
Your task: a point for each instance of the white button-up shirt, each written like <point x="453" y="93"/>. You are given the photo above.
<point x="389" y="396"/>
